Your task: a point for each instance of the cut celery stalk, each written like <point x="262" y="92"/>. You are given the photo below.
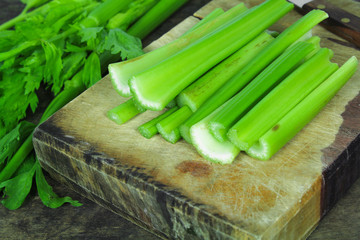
<point x="272" y="75"/>
<point x="124" y="112"/>
<point x="149" y="129"/>
<point x="156" y="87"/>
<point x="211" y="16"/>
<point x="281" y="100"/>
<point x="122" y="72"/>
<point x="273" y="50"/>
<point x="168" y="127"/>
<point x="208" y="147"/>
<point x="285" y="129"/>
<point x="199" y="91"/>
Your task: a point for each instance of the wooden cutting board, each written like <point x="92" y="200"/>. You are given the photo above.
<point x="172" y="191"/>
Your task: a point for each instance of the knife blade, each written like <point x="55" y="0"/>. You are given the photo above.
<point x="340" y="22"/>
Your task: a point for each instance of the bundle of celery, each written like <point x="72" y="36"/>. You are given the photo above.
<point x="65" y="46"/>
<point x="236" y="87"/>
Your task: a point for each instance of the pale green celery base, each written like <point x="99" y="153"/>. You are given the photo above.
<point x="146" y="132"/>
<point x="119" y="79"/>
<point x="172" y="136"/>
<point x="210" y="148"/>
<point x="234" y="139"/>
<point x="260" y="151"/>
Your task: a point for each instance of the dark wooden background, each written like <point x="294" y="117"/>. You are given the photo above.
<point x="90" y="221"/>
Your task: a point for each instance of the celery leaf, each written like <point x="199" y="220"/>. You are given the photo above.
<point x="46" y="193"/>
<point x="121" y="42"/>
<point x="92" y="70"/>
<point x="16" y="189"/>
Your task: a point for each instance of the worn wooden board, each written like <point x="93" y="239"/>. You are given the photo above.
<point x="174" y="192"/>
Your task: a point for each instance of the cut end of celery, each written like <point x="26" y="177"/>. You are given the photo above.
<point x="185" y="132"/>
<point x="184" y="100"/>
<point x="210" y="148"/>
<point x="142" y="100"/>
<point x="218" y="131"/>
<point x="115" y="117"/>
<point x="259" y="151"/>
<point x="145" y="132"/>
<point x="118" y="81"/>
<point x="233" y="137"/>
<point x="171" y="137"/>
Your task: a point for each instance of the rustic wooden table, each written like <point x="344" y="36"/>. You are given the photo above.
<point x="90" y="221"/>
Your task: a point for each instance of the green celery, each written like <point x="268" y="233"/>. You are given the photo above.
<point x="136" y="9"/>
<point x="259" y="87"/>
<point x="148" y="87"/>
<point x="288" y="126"/>
<point x="156" y="15"/>
<point x="199" y="91"/>
<point x="208" y="147"/>
<point x="124" y="112"/>
<point x="282" y="99"/>
<point x="103" y="12"/>
<point x="135" y="109"/>
<point x="149" y="129"/>
<point x="168" y="127"/>
<point x="273" y="50"/>
<point x="211" y="16"/>
<point x="122" y="72"/>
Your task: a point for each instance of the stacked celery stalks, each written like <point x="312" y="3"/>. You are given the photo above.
<point x="65" y="45"/>
<point x="236" y="87"/>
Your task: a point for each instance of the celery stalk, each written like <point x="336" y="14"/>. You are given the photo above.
<point x="157" y="86"/>
<point x="286" y="128"/>
<point x="208" y="147"/>
<point x="136" y="9"/>
<point x="130" y="109"/>
<point x="282" y="99"/>
<point x="168" y="127"/>
<point x="199" y="91"/>
<point x="149" y="129"/>
<point x="273" y="50"/>
<point x="103" y="12"/>
<point x="211" y="16"/>
<point x="272" y="75"/>
<point x="156" y="15"/>
<point x="124" y="112"/>
<point x="122" y="72"/>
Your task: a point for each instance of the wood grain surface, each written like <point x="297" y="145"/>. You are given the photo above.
<point x="182" y="168"/>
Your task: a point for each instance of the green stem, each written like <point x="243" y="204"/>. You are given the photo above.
<point x="237" y="107"/>
<point x="149" y="129"/>
<point x="124" y="112"/>
<point x="148" y="87"/>
<point x="265" y="57"/>
<point x="122" y="72"/>
<point x="168" y="127"/>
<point x="124" y="19"/>
<point x="156" y="15"/>
<point x="281" y="100"/>
<point x="198" y="92"/>
<point x="104" y="12"/>
<point x="18" y="158"/>
<point x="285" y="129"/>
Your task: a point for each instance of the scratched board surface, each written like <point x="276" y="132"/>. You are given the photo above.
<point x="174" y="192"/>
